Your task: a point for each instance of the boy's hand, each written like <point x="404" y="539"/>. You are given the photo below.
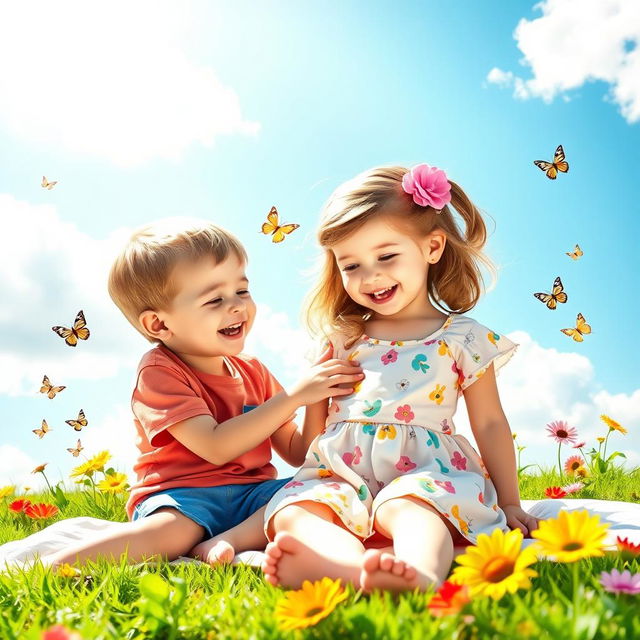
<point x="322" y="379"/>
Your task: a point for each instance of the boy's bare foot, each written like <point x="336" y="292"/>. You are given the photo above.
<point x="213" y="551"/>
<point x="382" y="570"/>
<point x="289" y="562"/>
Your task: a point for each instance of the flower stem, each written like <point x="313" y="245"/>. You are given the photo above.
<point x="559" y="465"/>
<point x="604" y="455"/>
<point x="575" y="600"/>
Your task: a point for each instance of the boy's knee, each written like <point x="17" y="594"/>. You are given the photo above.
<point x="170" y="532"/>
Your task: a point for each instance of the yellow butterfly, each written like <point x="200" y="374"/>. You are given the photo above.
<point x="49" y="389"/>
<point x="558" y="164"/>
<point x="76" y="452"/>
<point x="557" y="295"/>
<point x="48" y="185"/>
<point x="574" y="255"/>
<point x="582" y="328"/>
<point x="40" y="432"/>
<point x="273" y="227"/>
<point x="79" y="330"/>
<point x="79" y="423"/>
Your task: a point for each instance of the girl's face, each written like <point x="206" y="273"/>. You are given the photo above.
<point x="384" y="269"/>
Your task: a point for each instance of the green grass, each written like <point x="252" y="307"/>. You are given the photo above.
<point x="105" y="602"/>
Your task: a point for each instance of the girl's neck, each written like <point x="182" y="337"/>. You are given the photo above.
<point x="405" y="327"/>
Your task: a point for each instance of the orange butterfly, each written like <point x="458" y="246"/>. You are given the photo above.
<point x="79" y="423"/>
<point x="48" y="185"/>
<point x="49" y="389"/>
<point x="574" y="255"/>
<point x="273" y="227"/>
<point x="558" y="164"/>
<point x="76" y="452"/>
<point x="582" y="328"/>
<point x="557" y="295"/>
<point x="78" y="330"/>
<point x="40" y="432"/>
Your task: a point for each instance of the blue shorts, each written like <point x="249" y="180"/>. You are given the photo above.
<point x="217" y="509"/>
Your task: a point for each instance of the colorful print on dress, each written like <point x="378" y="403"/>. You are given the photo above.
<point x="405" y="464"/>
<point x="404" y="414"/>
<point x="437" y="395"/>
<point x="389" y="357"/>
<point x="371" y="409"/>
<point x="433" y="439"/>
<point x="352" y="458"/>
<point x="387" y="431"/>
<point x="369" y="429"/>
<point x="459" y="461"/>
<point x="419" y="363"/>
<point x="493" y="338"/>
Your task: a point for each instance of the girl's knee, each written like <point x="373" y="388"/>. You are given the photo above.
<point x="289" y="516"/>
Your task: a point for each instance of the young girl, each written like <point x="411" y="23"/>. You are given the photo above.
<point x="389" y="463"/>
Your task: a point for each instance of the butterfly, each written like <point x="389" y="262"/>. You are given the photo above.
<point x="558" y="295"/>
<point x="574" y="255"/>
<point x="76" y="452"/>
<point x="79" y="423"/>
<point x="273" y="227"/>
<point x="558" y="164"/>
<point x="79" y="330"/>
<point x="582" y="328"/>
<point x="40" y="432"/>
<point x="49" y="389"/>
<point x="48" y="185"/>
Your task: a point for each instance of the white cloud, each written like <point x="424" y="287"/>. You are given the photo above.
<point x="113" y="83"/>
<point x="51" y="270"/>
<point x="575" y="42"/>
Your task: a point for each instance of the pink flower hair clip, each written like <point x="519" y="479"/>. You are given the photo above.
<point x="429" y="186"/>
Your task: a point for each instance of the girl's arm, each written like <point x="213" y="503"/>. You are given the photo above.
<point x="492" y="433"/>
<point x="292" y="444"/>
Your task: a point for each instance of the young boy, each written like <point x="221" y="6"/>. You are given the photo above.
<point x="205" y="415"/>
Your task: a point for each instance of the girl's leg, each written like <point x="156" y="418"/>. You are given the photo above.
<point x="245" y="536"/>
<point x="423" y="543"/>
<point x="166" y="532"/>
<point x="311" y="543"/>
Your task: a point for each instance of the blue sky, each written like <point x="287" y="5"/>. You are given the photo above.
<point x="131" y="126"/>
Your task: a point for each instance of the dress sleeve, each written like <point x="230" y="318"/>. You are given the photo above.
<point x="161" y="399"/>
<point x="474" y="347"/>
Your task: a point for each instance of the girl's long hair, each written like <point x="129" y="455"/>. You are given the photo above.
<point x="455" y="280"/>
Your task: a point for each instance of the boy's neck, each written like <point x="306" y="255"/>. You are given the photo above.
<point x="212" y="365"/>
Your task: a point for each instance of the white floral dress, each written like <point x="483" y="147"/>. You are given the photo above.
<point x="394" y="436"/>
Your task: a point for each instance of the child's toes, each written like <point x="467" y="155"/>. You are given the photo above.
<point x="387" y="562"/>
<point x="398" y="568"/>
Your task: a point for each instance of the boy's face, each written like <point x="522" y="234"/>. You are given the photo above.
<point x="213" y="311"/>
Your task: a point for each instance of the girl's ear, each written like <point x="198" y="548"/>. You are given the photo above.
<point x="433" y="246"/>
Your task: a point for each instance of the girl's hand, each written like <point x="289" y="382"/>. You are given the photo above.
<point x="322" y="379"/>
<point x="520" y="519"/>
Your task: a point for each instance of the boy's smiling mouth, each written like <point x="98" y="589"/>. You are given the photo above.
<point x="233" y="330"/>
<point x="383" y="295"/>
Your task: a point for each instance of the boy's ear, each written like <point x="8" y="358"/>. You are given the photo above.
<point x="153" y="325"/>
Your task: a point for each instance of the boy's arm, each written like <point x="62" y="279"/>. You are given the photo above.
<point x="292" y="443"/>
<point x="218" y="443"/>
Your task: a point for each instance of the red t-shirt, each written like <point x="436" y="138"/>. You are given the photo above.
<point x="168" y="391"/>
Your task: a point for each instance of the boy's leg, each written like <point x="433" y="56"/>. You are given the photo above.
<point x="165" y="532"/>
<point x="245" y="536"/>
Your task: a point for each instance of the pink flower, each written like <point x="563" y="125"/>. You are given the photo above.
<point x="390" y="356"/>
<point x="562" y="432"/>
<point x="59" y="632"/>
<point x="404" y="413"/>
<point x="447" y="486"/>
<point x="616" y="582"/>
<point x="579" y="445"/>
<point x="572" y="488"/>
<point x="405" y="464"/>
<point x="428" y="186"/>
<point x="459" y="461"/>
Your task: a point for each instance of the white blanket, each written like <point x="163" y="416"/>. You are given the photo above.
<point x="623" y="518"/>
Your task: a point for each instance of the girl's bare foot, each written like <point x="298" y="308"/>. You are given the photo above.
<point x="213" y="551"/>
<point x="289" y="562"/>
<point x="382" y="570"/>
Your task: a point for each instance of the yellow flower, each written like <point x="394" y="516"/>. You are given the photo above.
<point x="7" y="491"/>
<point x="496" y="565"/>
<point x="100" y="460"/>
<point x="306" y="607"/>
<point x="600" y="440"/>
<point x="581" y="472"/>
<point x="572" y="536"/>
<point x="612" y="424"/>
<point x="113" y="483"/>
<point x="67" y="571"/>
<point x="85" y="469"/>
<point x="515" y="435"/>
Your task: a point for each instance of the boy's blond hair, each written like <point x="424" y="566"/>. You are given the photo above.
<point x="141" y="275"/>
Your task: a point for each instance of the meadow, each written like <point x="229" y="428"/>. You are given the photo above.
<point x="575" y="597"/>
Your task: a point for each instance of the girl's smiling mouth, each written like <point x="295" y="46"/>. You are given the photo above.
<point x="383" y="295"/>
